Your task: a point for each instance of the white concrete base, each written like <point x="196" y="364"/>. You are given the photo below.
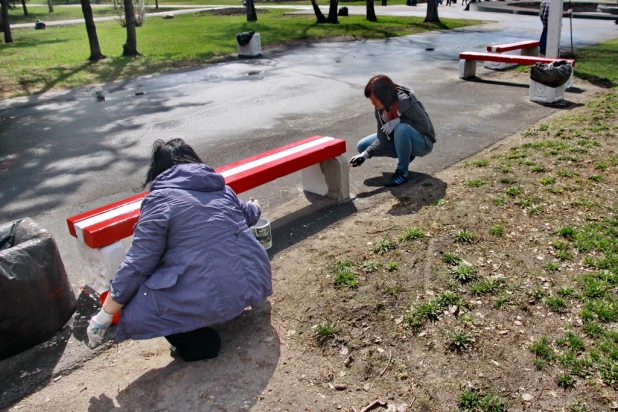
<point x="543" y="94"/>
<point x="251" y="49"/>
<point x="467" y="68"/>
<point x="329" y="178"/>
<point x="100" y="264"/>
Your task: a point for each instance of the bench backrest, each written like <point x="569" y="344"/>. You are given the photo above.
<point x="510" y="58"/>
<point x="111" y="223"/>
<point x="500" y="48"/>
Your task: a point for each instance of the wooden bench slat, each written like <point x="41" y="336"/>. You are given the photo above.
<point x="527" y="44"/>
<point x="111" y="223"/>
<point x="510" y="58"/>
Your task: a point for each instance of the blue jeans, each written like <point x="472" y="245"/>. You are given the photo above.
<point x="543" y="41"/>
<point x="408" y="143"/>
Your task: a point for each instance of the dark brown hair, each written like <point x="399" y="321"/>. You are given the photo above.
<point x="168" y="154"/>
<point x="383" y="88"/>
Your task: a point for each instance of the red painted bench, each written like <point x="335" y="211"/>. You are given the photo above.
<point x="467" y="61"/>
<point x="526" y="48"/>
<point x="520" y="45"/>
<point x="108" y="224"/>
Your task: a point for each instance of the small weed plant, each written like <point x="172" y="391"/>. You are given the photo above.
<point x="464" y="236"/>
<point x="383" y="245"/>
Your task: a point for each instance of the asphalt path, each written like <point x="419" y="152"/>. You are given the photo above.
<point x="64" y="153"/>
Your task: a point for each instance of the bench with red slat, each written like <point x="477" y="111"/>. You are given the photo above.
<point x="510" y="58"/>
<point x="111" y="223"/>
<point x="501" y="48"/>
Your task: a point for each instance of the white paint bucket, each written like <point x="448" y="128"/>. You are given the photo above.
<point x="261" y="231"/>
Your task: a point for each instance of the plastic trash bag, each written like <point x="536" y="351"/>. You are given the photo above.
<point x="36" y="299"/>
<point x="244" y="38"/>
<point x="554" y="74"/>
<point x="343" y="11"/>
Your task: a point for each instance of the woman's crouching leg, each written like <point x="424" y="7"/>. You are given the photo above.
<point x="199" y="344"/>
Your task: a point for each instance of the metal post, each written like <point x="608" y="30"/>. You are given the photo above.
<point x="554" y="28"/>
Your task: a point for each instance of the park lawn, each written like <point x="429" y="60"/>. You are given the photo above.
<point x="16" y="16"/>
<point x="598" y="64"/>
<point x="43" y="60"/>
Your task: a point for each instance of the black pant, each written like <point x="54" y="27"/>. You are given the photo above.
<point x="196" y="345"/>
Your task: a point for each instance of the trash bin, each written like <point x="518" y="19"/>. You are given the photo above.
<point x="249" y="44"/>
<point x="548" y="81"/>
<point x="36" y="298"/>
<point x="39" y="25"/>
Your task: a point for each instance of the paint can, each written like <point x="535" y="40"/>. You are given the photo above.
<point x="261" y="231"/>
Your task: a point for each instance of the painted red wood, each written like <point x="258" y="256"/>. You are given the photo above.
<point x="509" y="58"/>
<point x="119" y="227"/>
<point x="500" y="48"/>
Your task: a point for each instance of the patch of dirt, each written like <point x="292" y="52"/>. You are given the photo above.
<point x="411" y="333"/>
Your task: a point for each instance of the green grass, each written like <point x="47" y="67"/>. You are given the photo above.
<point x="463" y="273"/>
<point x="42" y="60"/>
<point x="597" y="64"/>
<point x="542" y="349"/>
<point x="459" y="340"/>
<point x="413" y="233"/>
<point x="63" y="12"/>
<point x="326" y="330"/>
<point x="451" y="258"/>
<point x="464" y="236"/>
<point x="383" y="245"/>
<point x="475" y="183"/>
<point x="346" y="278"/>
<point x="472" y="400"/>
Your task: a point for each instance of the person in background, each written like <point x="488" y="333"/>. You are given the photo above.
<point x="193" y="263"/>
<point x="404" y="128"/>
<point x="544" y="15"/>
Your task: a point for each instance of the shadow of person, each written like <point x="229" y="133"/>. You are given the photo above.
<point x="420" y="190"/>
<point x="233" y="381"/>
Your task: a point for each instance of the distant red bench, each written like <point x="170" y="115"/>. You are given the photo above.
<point x="319" y="157"/>
<point x="525" y="46"/>
<point x="467" y="61"/>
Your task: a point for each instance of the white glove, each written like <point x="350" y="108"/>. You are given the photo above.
<point x="359" y="159"/>
<point x="256" y="203"/>
<point x="97" y="327"/>
<point x="388" y="127"/>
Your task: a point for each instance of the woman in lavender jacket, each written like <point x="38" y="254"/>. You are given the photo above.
<point x="193" y="262"/>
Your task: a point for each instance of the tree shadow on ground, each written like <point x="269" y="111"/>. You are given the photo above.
<point x="249" y="355"/>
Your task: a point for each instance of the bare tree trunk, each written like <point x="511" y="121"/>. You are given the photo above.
<point x="50" y="5"/>
<point x="318" y="12"/>
<point x="6" y="25"/>
<point x="251" y="13"/>
<point x="23" y="3"/>
<point x="332" y="12"/>
<point x="371" y="11"/>
<point x="156" y="4"/>
<point x="130" y="47"/>
<point x="432" y="12"/>
<point x="93" y="39"/>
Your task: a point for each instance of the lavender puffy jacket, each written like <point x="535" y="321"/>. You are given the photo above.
<point x="194" y="262"/>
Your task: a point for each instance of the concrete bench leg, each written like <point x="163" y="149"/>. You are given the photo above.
<point x="531" y="51"/>
<point x="100" y="264"/>
<point x="467" y="68"/>
<point x="329" y="178"/>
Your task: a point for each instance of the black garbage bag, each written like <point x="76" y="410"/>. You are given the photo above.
<point x="343" y="11"/>
<point x="554" y="74"/>
<point x="36" y="299"/>
<point x="244" y="38"/>
<point x="39" y="25"/>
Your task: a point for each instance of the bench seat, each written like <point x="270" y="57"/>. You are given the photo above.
<point x="111" y="223"/>
<point x="467" y="61"/>
<point x="520" y="45"/>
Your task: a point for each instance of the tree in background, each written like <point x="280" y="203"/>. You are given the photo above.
<point x="23" y="3"/>
<point x="93" y="39"/>
<point x="50" y="5"/>
<point x="371" y="11"/>
<point x="332" y="12"/>
<point x="6" y="26"/>
<point x="130" y="47"/>
<point x="251" y="13"/>
<point x="318" y="12"/>
<point x="432" y="12"/>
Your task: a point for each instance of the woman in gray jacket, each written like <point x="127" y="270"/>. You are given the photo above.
<point x="404" y="128"/>
<point x="193" y="263"/>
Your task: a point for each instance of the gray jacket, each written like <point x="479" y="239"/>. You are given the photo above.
<point x="412" y="112"/>
<point x="194" y="262"/>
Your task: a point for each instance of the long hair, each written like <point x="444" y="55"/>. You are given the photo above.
<point x="383" y="88"/>
<point x="168" y="154"/>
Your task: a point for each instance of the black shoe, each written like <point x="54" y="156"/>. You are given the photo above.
<point x="412" y="158"/>
<point x="397" y="179"/>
